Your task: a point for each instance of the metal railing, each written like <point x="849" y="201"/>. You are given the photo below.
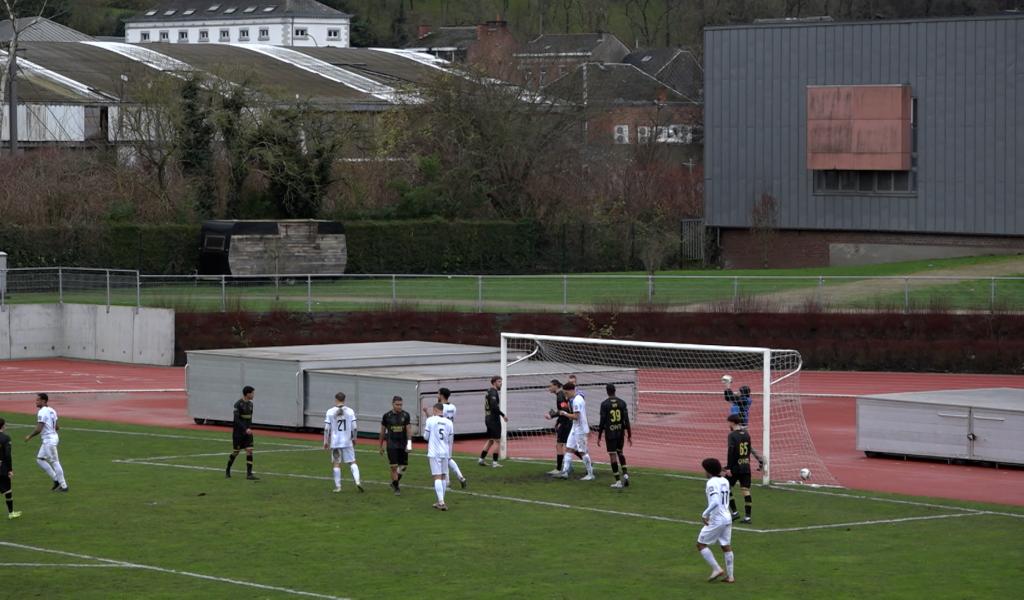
<point x="513" y="293"/>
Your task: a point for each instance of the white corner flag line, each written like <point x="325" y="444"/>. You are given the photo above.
<point x="130" y="565"/>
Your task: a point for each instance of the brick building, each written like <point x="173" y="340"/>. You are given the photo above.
<point x="552" y="56"/>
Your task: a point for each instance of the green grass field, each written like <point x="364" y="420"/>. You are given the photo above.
<point x="152" y="515"/>
<point x="533" y="293"/>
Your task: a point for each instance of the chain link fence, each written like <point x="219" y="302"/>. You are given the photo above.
<point x="512" y="293"/>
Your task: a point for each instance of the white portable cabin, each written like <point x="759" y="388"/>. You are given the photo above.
<point x="977" y="424"/>
<point x="369" y="392"/>
<point x="215" y="378"/>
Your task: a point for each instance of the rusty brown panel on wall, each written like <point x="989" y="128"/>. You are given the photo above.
<point x="859" y="127"/>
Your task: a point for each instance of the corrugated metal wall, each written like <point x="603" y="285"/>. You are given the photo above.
<point x="967" y="76"/>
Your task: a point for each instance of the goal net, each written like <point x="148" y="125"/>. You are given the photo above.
<point x="677" y="398"/>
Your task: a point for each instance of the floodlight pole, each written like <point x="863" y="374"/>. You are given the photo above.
<point x="12" y="100"/>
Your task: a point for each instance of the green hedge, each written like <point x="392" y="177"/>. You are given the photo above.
<point x="155" y="249"/>
<point x="418" y="246"/>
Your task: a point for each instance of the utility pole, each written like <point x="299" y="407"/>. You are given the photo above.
<point x="12" y="100"/>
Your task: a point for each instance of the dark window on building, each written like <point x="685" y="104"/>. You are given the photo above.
<point x="214" y="242"/>
<point x="863" y="182"/>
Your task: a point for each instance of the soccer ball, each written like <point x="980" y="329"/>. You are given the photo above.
<point x="726" y="379"/>
<point x="805" y="473"/>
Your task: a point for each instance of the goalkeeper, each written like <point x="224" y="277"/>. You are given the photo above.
<point x="739" y="405"/>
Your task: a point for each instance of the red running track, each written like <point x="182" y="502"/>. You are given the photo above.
<point x="95" y="390"/>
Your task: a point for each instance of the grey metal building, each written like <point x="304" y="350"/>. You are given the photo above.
<point x="873" y="140"/>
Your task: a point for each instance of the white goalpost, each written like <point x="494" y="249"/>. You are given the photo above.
<point x="677" y="397"/>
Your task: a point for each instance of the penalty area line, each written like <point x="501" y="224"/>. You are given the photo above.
<point x="65" y="565"/>
<point x="130" y="565"/>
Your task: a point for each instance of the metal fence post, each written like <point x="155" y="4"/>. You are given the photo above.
<point x="992" y="296"/>
<point x="821" y="290"/>
<point x="60" y="285"/>
<point x="565" y="293"/>
<point x="479" y="293"/>
<point x="108" y="291"/>
<point x="735" y="294"/>
<point x="309" y="293"/>
<point x="223" y="294"/>
<point x="906" y="294"/>
<point x="138" y="291"/>
<point x="650" y="288"/>
<point x="394" y="292"/>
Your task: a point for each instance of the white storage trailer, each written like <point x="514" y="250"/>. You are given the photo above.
<point x="214" y="378"/>
<point x="980" y="424"/>
<point x="369" y="392"/>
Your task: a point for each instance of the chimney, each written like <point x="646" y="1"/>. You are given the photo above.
<point x="498" y="25"/>
<point x="422" y="31"/>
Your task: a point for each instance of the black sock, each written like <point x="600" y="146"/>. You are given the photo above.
<point x="746" y="505"/>
<point x="483" y="454"/>
<point x="231" y="460"/>
<point x="622" y="461"/>
<point x="732" y="504"/>
<point x="248" y="465"/>
<point x="559" y="461"/>
<point x="615" y="470"/>
<point x="399" y="477"/>
<point x="494" y="457"/>
<point x="10" y="501"/>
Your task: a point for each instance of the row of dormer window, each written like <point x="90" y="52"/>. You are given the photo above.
<point x="213" y="8"/>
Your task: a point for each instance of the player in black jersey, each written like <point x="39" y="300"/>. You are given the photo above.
<point x="738" y="464"/>
<point x="241" y="436"/>
<point x="6" y="471"/>
<point x="563" y="425"/>
<point x="616" y="430"/>
<point x="492" y="419"/>
<point x="396" y="434"/>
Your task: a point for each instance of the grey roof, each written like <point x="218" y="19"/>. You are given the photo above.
<point x="387" y="68"/>
<point x="564" y="43"/>
<point x="201" y="10"/>
<point x="612" y="83"/>
<point x="446" y="37"/>
<point x="677" y="68"/>
<point x="40" y="29"/>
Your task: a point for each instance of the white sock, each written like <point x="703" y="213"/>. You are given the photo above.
<point x="710" y="558"/>
<point x="45" y="466"/>
<point x="439" y="490"/>
<point x="447" y="482"/>
<point x="729" y="563"/>
<point x="589" y="465"/>
<point x="455" y="467"/>
<point x="59" y="472"/>
<point x="567" y="463"/>
<point x="337" y="476"/>
<point x="355" y="473"/>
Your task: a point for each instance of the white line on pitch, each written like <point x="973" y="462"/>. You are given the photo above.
<point x="862" y="523"/>
<point x="60" y="393"/>
<point x="207" y="454"/>
<point x="70" y="565"/>
<point x="131" y="565"/>
<point x="171" y="436"/>
<point x="450" y="491"/>
<point x="897" y="501"/>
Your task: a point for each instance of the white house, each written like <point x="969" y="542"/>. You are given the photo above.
<point x="273" y="22"/>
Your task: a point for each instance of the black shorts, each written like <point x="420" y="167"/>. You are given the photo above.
<point x="493" y="429"/>
<point x="241" y="440"/>
<point x="742" y="478"/>
<point x="5" y="483"/>
<point x="398" y="456"/>
<point x="615" y="443"/>
<point x="562" y="433"/>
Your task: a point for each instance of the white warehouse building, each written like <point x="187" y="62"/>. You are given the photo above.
<point x="270" y="22"/>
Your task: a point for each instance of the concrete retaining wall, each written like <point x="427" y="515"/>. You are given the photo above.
<point x="118" y="334"/>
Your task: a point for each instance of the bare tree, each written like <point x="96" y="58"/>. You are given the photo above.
<point x="764" y="222"/>
<point x="12" y="10"/>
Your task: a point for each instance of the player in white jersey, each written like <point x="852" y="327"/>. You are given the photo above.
<point x="438" y="431"/>
<point x="577" y="442"/>
<point x="47" y="427"/>
<point x="717" y="521"/>
<point x="339" y="432"/>
<point x="444" y="397"/>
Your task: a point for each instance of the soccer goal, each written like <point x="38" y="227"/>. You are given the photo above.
<point x="676" y="394"/>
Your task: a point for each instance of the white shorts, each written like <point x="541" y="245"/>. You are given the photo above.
<point x="48" y="452"/>
<point x="720" y="534"/>
<point x="345" y="455"/>
<point x="577" y="442"/>
<point x="438" y="466"/>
